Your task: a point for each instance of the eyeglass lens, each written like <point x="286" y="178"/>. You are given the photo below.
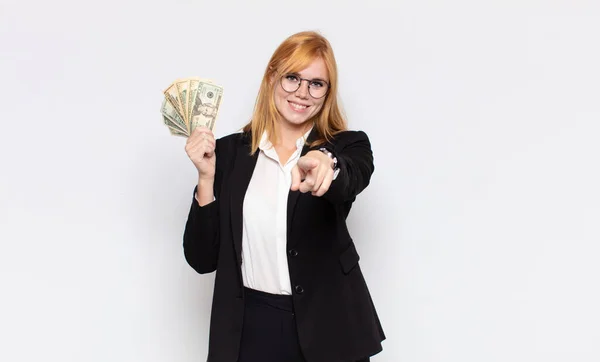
<point x="317" y="88"/>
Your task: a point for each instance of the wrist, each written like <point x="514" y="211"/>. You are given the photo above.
<point x="205" y="186"/>
<point x="205" y="180"/>
<point x="334" y="162"/>
<point x="204" y="192"/>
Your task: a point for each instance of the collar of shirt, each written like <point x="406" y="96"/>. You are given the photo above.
<point x="267" y="148"/>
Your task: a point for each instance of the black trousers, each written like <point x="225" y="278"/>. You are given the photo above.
<point x="269" y="331"/>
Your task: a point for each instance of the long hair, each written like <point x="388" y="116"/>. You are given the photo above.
<point x="293" y="55"/>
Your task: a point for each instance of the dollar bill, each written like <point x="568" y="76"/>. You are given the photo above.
<point x="191" y="97"/>
<point x="172" y="95"/>
<point x="172" y="124"/>
<point x="183" y="89"/>
<point x="169" y="112"/>
<point x="205" y="105"/>
<point x="190" y="103"/>
<point x="177" y="132"/>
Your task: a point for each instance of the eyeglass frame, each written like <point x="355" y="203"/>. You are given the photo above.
<point x="300" y="84"/>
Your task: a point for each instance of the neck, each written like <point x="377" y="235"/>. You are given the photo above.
<point x="288" y="134"/>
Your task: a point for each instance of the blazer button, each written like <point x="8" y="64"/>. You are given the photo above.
<point x="293" y="252"/>
<point x="299" y="289"/>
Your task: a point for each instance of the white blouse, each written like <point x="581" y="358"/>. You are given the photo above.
<point x="264" y="239"/>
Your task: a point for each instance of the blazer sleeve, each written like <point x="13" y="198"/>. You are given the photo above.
<point x="201" y="235"/>
<point x="355" y="161"/>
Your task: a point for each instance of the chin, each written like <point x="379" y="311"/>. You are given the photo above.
<point x="295" y="119"/>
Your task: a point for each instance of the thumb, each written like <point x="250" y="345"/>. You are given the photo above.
<point x="296" y="178"/>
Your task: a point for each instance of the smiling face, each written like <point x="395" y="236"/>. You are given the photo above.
<point x="299" y="106"/>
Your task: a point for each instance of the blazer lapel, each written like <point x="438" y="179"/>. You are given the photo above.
<point x="293" y="195"/>
<point x="243" y="168"/>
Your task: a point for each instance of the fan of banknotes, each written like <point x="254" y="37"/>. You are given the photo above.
<point x="190" y="103"/>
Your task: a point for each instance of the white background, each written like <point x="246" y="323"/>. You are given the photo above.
<point x="479" y="235"/>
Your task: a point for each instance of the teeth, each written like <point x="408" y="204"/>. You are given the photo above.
<point x="298" y="106"/>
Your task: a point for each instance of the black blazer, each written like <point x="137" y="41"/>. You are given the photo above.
<point x="336" y="318"/>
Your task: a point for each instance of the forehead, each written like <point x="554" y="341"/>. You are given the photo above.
<point x="315" y="69"/>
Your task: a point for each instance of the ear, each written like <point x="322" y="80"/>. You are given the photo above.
<point x="272" y="78"/>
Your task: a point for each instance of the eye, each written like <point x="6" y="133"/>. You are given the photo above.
<point x="317" y="83"/>
<point x="292" y="77"/>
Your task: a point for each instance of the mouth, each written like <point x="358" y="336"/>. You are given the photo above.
<point x="298" y="107"/>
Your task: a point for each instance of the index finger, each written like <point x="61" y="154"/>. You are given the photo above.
<point x="307" y="163"/>
<point x="202" y="129"/>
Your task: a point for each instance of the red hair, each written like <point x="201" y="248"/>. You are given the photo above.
<point x="293" y="55"/>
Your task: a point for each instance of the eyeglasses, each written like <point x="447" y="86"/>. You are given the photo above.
<point x="316" y="87"/>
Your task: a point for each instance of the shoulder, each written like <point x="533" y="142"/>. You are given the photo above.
<point x="347" y="138"/>
<point x="232" y="140"/>
<point x="229" y="146"/>
<point x="351" y="135"/>
<point x="235" y="137"/>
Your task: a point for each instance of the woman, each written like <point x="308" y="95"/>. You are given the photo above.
<point x="269" y="215"/>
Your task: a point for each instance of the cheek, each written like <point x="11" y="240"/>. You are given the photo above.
<point x="280" y="97"/>
<point x="318" y="106"/>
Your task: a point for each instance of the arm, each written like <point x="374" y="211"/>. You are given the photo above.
<point x="201" y="235"/>
<point x="355" y="160"/>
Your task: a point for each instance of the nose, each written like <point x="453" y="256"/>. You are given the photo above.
<point x="302" y="91"/>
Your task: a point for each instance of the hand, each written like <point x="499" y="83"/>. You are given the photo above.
<point x="200" y="148"/>
<point x="313" y="173"/>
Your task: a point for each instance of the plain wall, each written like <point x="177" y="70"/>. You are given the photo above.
<point x="479" y="234"/>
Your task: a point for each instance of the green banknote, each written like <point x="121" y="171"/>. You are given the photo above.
<point x="190" y="103"/>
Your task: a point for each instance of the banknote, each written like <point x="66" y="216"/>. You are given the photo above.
<point x="183" y="89"/>
<point x="172" y="95"/>
<point x="190" y="103"/>
<point x="176" y="132"/>
<point x="172" y="125"/>
<point x="205" y="107"/>
<point x="170" y="114"/>
<point x="191" y="97"/>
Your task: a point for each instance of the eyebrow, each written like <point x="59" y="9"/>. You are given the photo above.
<point x="313" y="79"/>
